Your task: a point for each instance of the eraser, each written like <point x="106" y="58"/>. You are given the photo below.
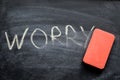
<point x="99" y="48"/>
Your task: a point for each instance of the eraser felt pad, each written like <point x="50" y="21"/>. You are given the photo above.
<point x="99" y="48"/>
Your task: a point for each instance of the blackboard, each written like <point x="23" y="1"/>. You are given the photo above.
<point x="55" y="61"/>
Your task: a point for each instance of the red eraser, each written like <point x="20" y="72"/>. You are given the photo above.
<point x="99" y="48"/>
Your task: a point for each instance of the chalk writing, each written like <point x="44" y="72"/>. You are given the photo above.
<point x="53" y="37"/>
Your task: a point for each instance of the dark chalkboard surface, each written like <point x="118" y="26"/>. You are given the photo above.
<point x="56" y="61"/>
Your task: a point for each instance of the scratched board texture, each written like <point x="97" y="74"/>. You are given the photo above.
<point x="56" y="61"/>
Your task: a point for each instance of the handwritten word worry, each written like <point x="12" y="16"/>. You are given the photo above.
<point x="53" y="36"/>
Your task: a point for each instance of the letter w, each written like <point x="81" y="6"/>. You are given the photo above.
<point x="19" y="45"/>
